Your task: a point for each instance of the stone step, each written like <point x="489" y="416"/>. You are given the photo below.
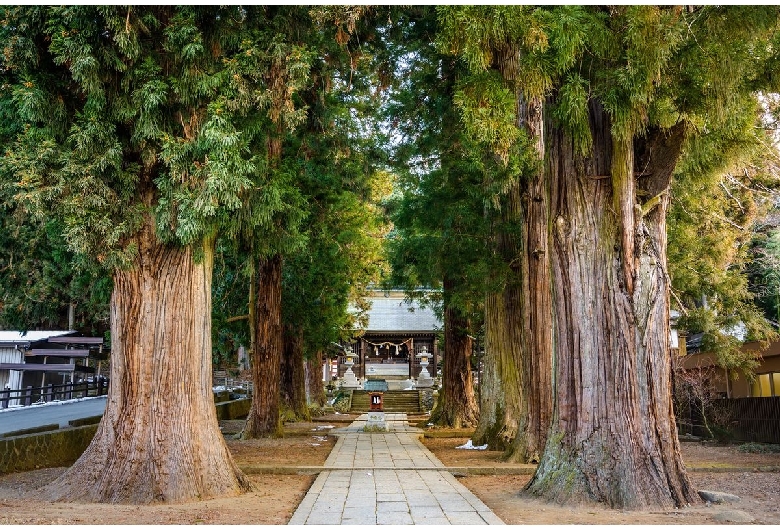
<point x="386" y="401"/>
<point x="392" y="401"/>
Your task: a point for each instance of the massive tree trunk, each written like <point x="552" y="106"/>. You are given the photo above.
<point x="159" y="440"/>
<point x="315" y="388"/>
<point x="456" y="406"/>
<point x="613" y="438"/>
<point x="536" y="306"/>
<point x="501" y="382"/>
<point x="516" y="406"/>
<point x="266" y="328"/>
<point x="263" y="419"/>
<point x="293" y="379"/>
<point x="516" y="392"/>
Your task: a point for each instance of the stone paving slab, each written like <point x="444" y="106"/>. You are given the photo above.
<point x="387" y="478"/>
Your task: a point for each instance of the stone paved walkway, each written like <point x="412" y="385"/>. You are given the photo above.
<point x="387" y="479"/>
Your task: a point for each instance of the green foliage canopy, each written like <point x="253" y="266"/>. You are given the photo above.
<point x="127" y="112"/>
<point x="650" y="68"/>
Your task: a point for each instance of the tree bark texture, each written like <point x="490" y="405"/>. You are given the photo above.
<point x="315" y="387"/>
<point x="502" y="382"/>
<point x="536" y="319"/>
<point x="499" y="407"/>
<point x="516" y="386"/>
<point x="293" y="378"/>
<point x="523" y="345"/>
<point x="159" y="440"/>
<point x="456" y="406"/>
<point x="613" y="437"/>
<point x="263" y="418"/>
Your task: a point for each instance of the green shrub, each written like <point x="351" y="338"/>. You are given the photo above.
<point x="374" y="428"/>
<point x="287" y="415"/>
<point x="341" y="404"/>
<point x="722" y="434"/>
<point x="753" y="447"/>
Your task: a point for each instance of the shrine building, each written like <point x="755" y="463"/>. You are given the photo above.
<point x="397" y="331"/>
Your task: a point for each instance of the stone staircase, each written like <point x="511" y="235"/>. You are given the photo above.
<point x="407" y="401"/>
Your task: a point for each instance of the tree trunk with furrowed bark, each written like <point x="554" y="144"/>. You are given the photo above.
<point x="456" y="405"/>
<point x="263" y="418"/>
<point x="502" y="381"/>
<point x="535" y="363"/>
<point x="613" y="438"/>
<point x="266" y="327"/>
<point x="515" y="388"/>
<point x="499" y="407"/>
<point x="315" y="388"/>
<point x="159" y="440"/>
<point x="293" y="378"/>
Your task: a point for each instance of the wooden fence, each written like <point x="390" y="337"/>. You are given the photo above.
<point x="742" y="419"/>
<point x="753" y="419"/>
<point x="36" y="395"/>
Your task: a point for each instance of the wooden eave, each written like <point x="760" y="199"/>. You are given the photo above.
<point x="76" y="340"/>
<point x="57" y="353"/>
<point x="15" y="344"/>
<point x="416" y="333"/>
<point x="36" y="367"/>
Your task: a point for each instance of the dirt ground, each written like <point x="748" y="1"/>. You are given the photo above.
<point x="733" y="472"/>
<point x="278" y="488"/>
<point x="273" y="501"/>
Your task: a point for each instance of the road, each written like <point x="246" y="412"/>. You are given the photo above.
<point x="62" y="413"/>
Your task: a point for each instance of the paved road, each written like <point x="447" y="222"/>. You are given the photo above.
<point x="35" y="416"/>
<point x="392" y="478"/>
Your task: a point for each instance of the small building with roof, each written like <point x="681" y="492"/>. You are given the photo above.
<point x="766" y="382"/>
<point x="40" y="358"/>
<point x="13" y="349"/>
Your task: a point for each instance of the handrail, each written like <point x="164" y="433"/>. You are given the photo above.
<point x="45" y="394"/>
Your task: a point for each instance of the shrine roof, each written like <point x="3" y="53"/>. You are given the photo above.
<point x="12" y="338"/>
<point x="393" y="313"/>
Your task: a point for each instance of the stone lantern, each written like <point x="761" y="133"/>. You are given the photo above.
<point x="424" y="380"/>
<point x="350" y="381"/>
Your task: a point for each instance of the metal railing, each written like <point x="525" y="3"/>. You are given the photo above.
<point x="38" y="395"/>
